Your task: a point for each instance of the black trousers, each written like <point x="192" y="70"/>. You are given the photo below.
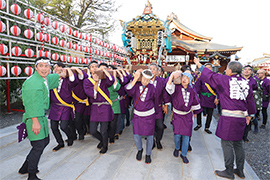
<point x="86" y="123"/>
<point x="112" y="126"/>
<point x="79" y="123"/>
<point x="64" y="126"/>
<point x="209" y="112"/>
<point x="231" y="149"/>
<point x="265" y="115"/>
<point x="102" y="136"/>
<point x="159" y="129"/>
<point x="247" y="128"/>
<point x="35" y="153"/>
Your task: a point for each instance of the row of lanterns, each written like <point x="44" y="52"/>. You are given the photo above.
<point x="17" y="51"/>
<point x="28" y="13"/>
<point x="16" y="70"/>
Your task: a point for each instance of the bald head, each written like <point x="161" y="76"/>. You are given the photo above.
<point x="261" y="73"/>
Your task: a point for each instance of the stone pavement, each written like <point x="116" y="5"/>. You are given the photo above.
<point x="82" y="161"/>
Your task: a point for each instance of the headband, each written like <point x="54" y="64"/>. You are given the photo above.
<point x="44" y="61"/>
<point x="146" y="75"/>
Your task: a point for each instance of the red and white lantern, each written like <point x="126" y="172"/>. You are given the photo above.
<point x="62" y="28"/>
<point x="47" y="21"/>
<point x="15" y="9"/>
<point x="47" y="54"/>
<point x="85" y="49"/>
<point x="47" y="38"/>
<point x="55" y="56"/>
<point x="29" y="52"/>
<point x="86" y="61"/>
<point x="28" y="33"/>
<point x="63" y="58"/>
<point x="2" y="27"/>
<point x="81" y="60"/>
<point x="90" y="50"/>
<point x="75" y="46"/>
<point x="16" y="51"/>
<point x="40" y="18"/>
<point x="75" y="60"/>
<point x="69" y="59"/>
<point x="55" y="24"/>
<point x="85" y="37"/>
<point x="2" y="4"/>
<point x="16" y="70"/>
<point x="95" y="51"/>
<point x="80" y="35"/>
<point x="69" y="31"/>
<point x="69" y="45"/>
<point x="15" y="30"/>
<point x="40" y="36"/>
<point x="55" y="40"/>
<point x="62" y="42"/>
<point x="28" y="70"/>
<point x="28" y="13"/>
<point x="3" y="70"/>
<point x="3" y="49"/>
<point x="40" y="53"/>
<point x="81" y="48"/>
<point x="75" y="33"/>
<point x="90" y="38"/>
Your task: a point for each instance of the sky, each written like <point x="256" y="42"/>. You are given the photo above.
<point x="241" y="23"/>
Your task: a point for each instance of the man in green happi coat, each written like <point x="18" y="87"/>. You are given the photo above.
<point x="35" y="96"/>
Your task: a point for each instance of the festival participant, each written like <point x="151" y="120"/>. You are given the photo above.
<point x="62" y="109"/>
<point x="81" y="103"/>
<point x="161" y="96"/>
<point x="237" y="103"/>
<point x="184" y="101"/>
<point x="247" y="74"/>
<point x="123" y="79"/>
<point x="266" y="94"/>
<point x="143" y="94"/>
<point x="208" y="100"/>
<point x="116" y="121"/>
<point x="36" y="99"/>
<point x="101" y="111"/>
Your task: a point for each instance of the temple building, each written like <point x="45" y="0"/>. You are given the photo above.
<point x="149" y="39"/>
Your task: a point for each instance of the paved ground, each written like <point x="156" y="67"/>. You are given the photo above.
<point x="82" y="160"/>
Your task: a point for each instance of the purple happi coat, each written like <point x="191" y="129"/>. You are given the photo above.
<point x="184" y="100"/>
<point x="122" y="93"/>
<point x="205" y="101"/>
<point x="79" y="92"/>
<point x="161" y="96"/>
<point x="101" y="110"/>
<point x="143" y="125"/>
<point x="266" y="90"/>
<point x="232" y="98"/>
<point x="59" y="111"/>
<point x="252" y="83"/>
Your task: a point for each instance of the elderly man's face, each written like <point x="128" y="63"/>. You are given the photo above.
<point x="154" y="70"/>
<point x="185" y="80"/>
<point x="145" y="81"/>
<point x="247" y="71"/>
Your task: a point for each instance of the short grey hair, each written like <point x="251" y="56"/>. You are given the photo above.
<point x="153" y="64"/>
<point x="235" y="66"/>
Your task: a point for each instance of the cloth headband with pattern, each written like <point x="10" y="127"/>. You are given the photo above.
<point x="44" y="61"/>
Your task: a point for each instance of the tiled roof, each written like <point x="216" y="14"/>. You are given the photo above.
<point x="201" y="46"/>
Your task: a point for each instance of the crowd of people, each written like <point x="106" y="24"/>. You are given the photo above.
<point x="96" y="100"/>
